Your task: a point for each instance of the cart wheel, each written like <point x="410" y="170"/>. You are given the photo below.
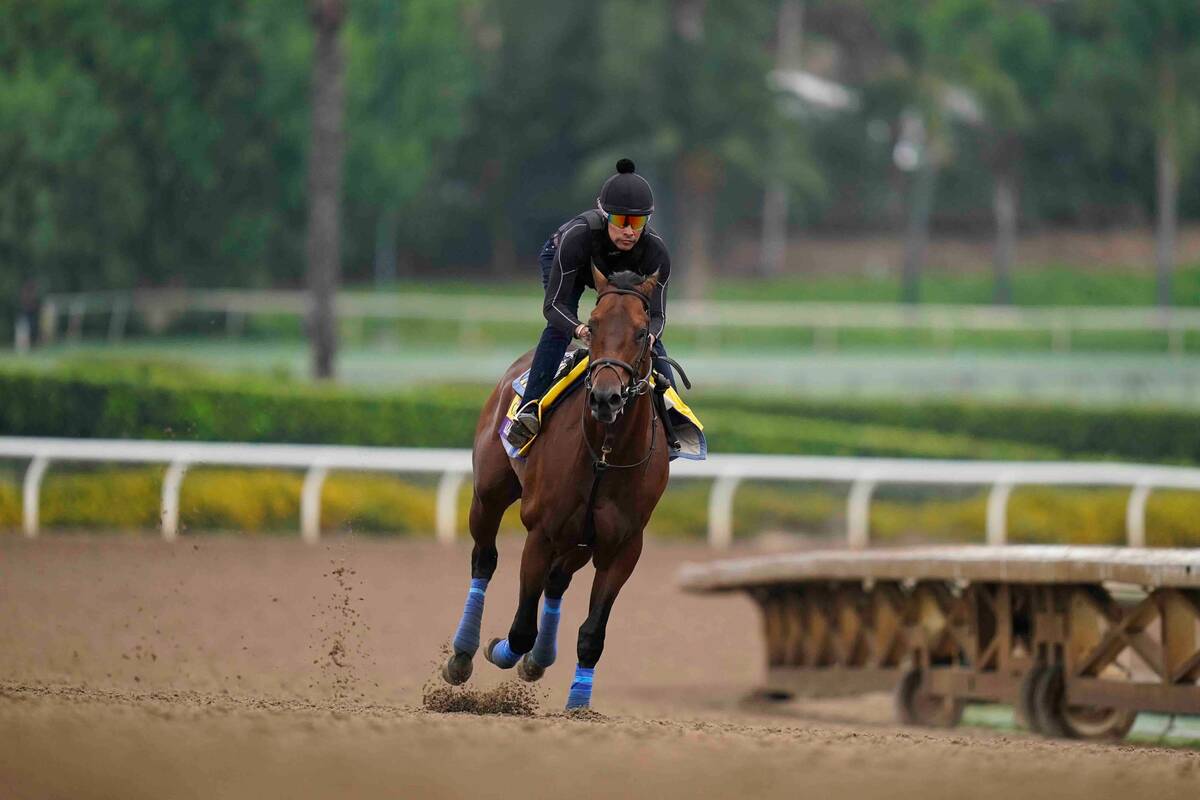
<point x="768" y="695"/>
<point x="1025" y="712"/>
<point x="1048" y="695"/>
<point x="914" y="707"/>
<point x="1056" y="718"/>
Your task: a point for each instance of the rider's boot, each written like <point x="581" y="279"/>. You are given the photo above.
<point x="525" y="426"/>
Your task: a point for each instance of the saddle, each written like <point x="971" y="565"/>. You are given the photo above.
<point x="680" y="422"/>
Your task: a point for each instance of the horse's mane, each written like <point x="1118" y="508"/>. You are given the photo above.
<point x="626" y="279"/>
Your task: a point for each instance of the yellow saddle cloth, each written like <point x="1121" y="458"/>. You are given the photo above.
<point x="687" y="426"/>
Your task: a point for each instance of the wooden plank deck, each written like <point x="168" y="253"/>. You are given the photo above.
<point x="1031" y="564"/>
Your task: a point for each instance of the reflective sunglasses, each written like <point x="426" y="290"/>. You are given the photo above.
<point x="635" y="221"/>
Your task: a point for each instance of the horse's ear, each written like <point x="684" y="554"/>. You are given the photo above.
<point x="598" y="277"/>
<point x="648" y="286"/>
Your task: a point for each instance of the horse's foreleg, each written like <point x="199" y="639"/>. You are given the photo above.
<point x="485" y="522"/>
<point x="545" y="648"/>
<point x="535" y="564"/>
<point x="605" y="588"/>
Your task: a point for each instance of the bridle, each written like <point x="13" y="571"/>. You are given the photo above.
<point x="633" y="387"/>
<point x="635" y="384"/>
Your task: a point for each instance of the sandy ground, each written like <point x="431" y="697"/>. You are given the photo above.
<point x="229" y="667"/>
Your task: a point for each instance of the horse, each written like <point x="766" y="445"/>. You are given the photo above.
<point x="587" y="488"/>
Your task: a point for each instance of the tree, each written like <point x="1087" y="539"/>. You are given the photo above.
<point x="790" y="34"/>
<point x="325" y="181"/>
<point x="409" y="77"/>
<point x="1003" y="54"/>
<point x="1158" y="43"/>
<point x="687" y="87"/>
<point x="132" y="145"/>
<point x="924" y="144"/>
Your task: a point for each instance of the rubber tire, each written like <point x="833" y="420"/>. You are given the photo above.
<point x="1024" y="710"/>
<point x="1055" y="717"/>
<point x="1049" y="693"/>
<point x="1114" y="728"/>
<point x="927" y="712"/>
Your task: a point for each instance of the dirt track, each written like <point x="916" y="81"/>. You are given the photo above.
<point x="225" y="667"/>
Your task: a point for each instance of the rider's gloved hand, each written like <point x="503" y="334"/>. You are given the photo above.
<point x="584" y="334"/>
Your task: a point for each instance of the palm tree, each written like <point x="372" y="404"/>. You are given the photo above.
<point x="323" y="248"/>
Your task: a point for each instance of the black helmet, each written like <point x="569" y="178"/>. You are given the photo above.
<point x="626" y="192"/>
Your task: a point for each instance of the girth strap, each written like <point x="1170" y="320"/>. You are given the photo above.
<point x="589" y="522"/>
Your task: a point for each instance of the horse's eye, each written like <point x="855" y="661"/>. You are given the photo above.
<point x="642" y="334"/>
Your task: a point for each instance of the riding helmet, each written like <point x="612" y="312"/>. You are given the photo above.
<point x="626" y="192"/>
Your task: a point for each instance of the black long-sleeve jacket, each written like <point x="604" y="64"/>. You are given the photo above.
<point x="579" y="247"/>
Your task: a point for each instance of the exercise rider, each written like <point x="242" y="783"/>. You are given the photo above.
<point x="613" y="237"/>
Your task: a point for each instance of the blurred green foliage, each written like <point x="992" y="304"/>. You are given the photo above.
<point x="150" y="142"/>
<point x="152" y="400"/>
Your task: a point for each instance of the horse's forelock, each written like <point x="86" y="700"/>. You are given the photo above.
<point x="626" y="279"/>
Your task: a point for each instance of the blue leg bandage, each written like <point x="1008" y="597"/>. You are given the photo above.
<point x="545" y="647"/>
<point x="466" y="638"/>
<point x="503" y="656"/>
<point x="581" y="688"/>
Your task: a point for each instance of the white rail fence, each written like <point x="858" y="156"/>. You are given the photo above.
<point x="158" y="306"/>
<point x="727" y="472"/>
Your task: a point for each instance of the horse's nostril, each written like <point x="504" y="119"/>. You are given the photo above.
<point x="606" y="400"/>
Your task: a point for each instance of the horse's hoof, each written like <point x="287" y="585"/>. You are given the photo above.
<point x="457" y="669"/>
<point x="528" y="670"/>
<point x="487" y="651"/>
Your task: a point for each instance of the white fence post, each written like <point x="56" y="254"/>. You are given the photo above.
<point x="447" y="505"/>
<point x="858" y="513"/>
<point x="32" y="492"/>
<point x="170" y="499"/>
<point x="75" y="321"/>
<point x="48" y="323"/>
<point x="720" y="511"/>
<point x="117" y="318"/>
<point x="310" y="504"/>
<point x="997" y="512"/>
<point x="1135" y="515"/>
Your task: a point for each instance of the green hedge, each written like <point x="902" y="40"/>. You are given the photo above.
<point x="1138" y="434"/>
<point x="151" y="406"/>
<point x="154" y="401"/>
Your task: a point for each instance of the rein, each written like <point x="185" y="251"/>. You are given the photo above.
<point x="630" y="390"/>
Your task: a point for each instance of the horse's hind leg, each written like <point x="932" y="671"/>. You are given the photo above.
<point x="605" y="588"/>
<point x="486" y="511"/>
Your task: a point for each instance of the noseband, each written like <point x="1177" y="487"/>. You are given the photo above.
<point x="634" y="384"/>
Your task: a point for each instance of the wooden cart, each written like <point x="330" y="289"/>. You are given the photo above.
<point x="1077" y="639"/>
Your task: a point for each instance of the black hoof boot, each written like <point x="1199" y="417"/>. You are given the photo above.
<point x="457" y="669"/>
<point x="487" y="651"/>
<point x="529" y="671"/>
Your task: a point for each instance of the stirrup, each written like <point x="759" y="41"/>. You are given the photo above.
<point x="525" y="425"/>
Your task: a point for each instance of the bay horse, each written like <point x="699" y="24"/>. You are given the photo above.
<point x="587" y="489"/>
